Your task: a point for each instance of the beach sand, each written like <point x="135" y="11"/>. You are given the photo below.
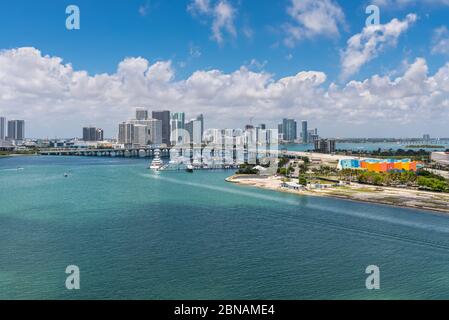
<point x="432" y="201"/>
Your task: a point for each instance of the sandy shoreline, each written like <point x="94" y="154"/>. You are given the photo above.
<point x="405" y="198"/>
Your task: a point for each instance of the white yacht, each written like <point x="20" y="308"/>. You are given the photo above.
<point x="157" y="163"/>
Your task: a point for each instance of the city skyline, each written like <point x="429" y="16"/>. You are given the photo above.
<point x="340" y="75"/>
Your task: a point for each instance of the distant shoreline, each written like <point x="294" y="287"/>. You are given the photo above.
<point x="400" y="198"/>
<point x="424" y="146"/>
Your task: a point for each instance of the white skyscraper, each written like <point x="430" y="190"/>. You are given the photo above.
<point x="155" y="131"/>
<point x="194" y="127"/>
<point x="126" y="133"/>
<point x="141" y="136"/>
<point x="177" y="126"/>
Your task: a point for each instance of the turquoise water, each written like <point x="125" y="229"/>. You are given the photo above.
<point x="365" y="146"/>
<point x="193" y="236"/>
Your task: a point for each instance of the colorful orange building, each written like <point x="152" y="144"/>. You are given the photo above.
<point x="380" y="165"/>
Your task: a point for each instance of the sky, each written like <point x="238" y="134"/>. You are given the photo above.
<point x="235" y="61"/>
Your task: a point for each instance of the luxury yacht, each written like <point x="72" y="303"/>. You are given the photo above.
<point x="157" y="163"/>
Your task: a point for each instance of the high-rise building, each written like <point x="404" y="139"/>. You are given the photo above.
<point x="2" y="128"/>
<point x="155" y="131"/>
<point x="312" y="136"/>
<point x="325" y="146"/>
<point x="140" y="132"/>
<point x="125" y="133"/>
<point x="305" y="132"/>
<point x="195" y="127"/>
<point x="16" y="130"/>
<point x="141" y="136"/>
<point x="164" y="116"/>
<point x="426" y="137"/>
<point x="93" y="134"/>
<point x="281" y="132"/>
<point x="200" y="118"/>
<point x="99" y="134"/>
<point x="141" y="114"/>
<point x="177" y="127"/>
<point x="289" y="130"/>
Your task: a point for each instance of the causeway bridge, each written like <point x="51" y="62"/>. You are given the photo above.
<point x="121" y="153"/>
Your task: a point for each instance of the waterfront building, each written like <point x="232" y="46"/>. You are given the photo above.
<point x="164" y="116"/>
<point x="141" y="114"/>
<point x="200" y="118"/>
<point x="177" y="127"/>
<point x="280" y="132"/>
<point x="148" y="132"/>
<point x="305" y="132"/>
<point x="93" y="134"/>
<point x="141" y="131"/>
<point x="140" y="135"/>
<point x="325" y="146"/>
<point x="194" y="127"/>
<point x="156" y="131"/>
<point x="126" y="133"/>
<point x="289" y="130"/>
<point x="16" y="130"/>
<point x="2" y="128"/>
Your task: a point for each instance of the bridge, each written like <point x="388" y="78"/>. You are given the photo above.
<point x="123" y="153"/>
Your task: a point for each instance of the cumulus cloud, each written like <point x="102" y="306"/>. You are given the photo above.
<point x="222" y="14"/>
<point x="441" y="41"/>
<point x="365" y="46"/>
<point x="57" y="100"/>
<point x="313" y="18"/>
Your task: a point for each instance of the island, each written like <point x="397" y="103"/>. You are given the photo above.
<point x="320" y="175"/>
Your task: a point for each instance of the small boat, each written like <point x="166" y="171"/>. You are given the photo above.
<point x="189" y="168"/>
<point x="156" y="164"/>
<point x="66" y="175"/>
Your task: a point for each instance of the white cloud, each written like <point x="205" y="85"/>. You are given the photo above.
<point x="222" y="14"/>
<point x="441" y="41"/>
<point x="365" y="46"/>
<point x="55" y="99"/>
<point x="313" y="18"/>
<point x="404" y="3"/>
<point x="199" y="7"/>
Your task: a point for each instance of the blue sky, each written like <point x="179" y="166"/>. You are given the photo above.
<point x="113" y="30"/>
<point x="256" y="37"/>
